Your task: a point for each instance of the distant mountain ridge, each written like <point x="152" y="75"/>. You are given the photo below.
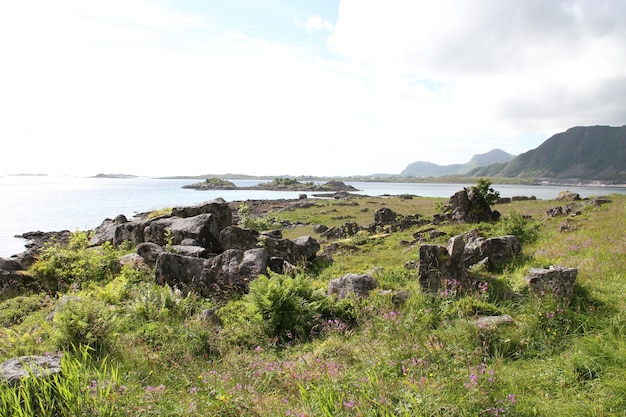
<point x="589" y="153"/>
<point x="428" y="169"/>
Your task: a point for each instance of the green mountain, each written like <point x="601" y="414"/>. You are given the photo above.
<point x="428" y="169"/>
<point x="593" y="153"/>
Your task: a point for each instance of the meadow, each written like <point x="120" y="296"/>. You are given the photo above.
<point x="132" y="347"/>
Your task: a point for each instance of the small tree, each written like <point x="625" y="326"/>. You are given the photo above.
<point x="484" y="193"/>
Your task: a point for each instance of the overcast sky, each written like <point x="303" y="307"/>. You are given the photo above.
<point x="306" y="87"/>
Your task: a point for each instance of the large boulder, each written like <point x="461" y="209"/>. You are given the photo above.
<point x="232" y="271"/>
<point x="385" y="216"/>
<point x="466" y="206"/>
<point x="106" y="231"/>
<point x="150" y="252"/>
<point x="234" y="237"/>
<point x="14" y="370"/>
<point x="493" y="252"/>
<point x="218" y="207"/>
<point x="352" y="284"/>
<point x="201" y="228"/>
<point x="129" y="232"/>
<point x="440" y="266"/>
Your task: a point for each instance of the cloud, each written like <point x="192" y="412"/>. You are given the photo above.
<point x="507" y="67"/>
<point x="315" y="23"/>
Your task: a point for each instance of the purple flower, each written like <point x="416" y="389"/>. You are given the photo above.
<point x="348" y="404"/>
<point x="512" y="398"/>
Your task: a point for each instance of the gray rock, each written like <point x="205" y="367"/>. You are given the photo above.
<point x="234" y="237"/>
<point x="218" y="207"/>
<point x="129" y="232"/>
<point x="149" y="252"/>
<point x="357" y="284"/>
<point x="14" y="370"/>
<point x="494" y="252"/>
<point x="385" y="216"/>
<point x="492" y="322"/>
<point x="556" y="280"/>
<point x="178" y="271"/>
<point x="202" y="228"/>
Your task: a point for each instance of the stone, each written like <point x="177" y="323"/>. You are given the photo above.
<point x="178" y="271"/>
<point x="106" y="231"/>
<point x="234" y="237"/>
<point x="357" y="284"/>
<point x="63" y="301"/>
<point x="438" y="265"/>
<point x="320" y="228"/>
<point x="14" y="370"/>
<point x="129" y="232"/>
<point x="232" y="271"/>
<point x="132" y="259"/>
<point x="568" y="196"/>
<point x="9" y="264"/>
<point x="492" y="322"/>
<point x="202" y="228"/>
<point x="555" y="280"/>
<point x="385" y="216"/>
<point x="220" y="209"/>
<point x="149" y="252"/>
<point x="494" y="252"/>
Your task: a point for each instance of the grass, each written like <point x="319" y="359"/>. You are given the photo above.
<point x="382" y="355"/>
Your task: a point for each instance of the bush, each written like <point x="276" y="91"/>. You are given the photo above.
<point x="59" y="267"/>
<point x="85" y="323"/>
<point x="515" y="224"/>
<point x="291" y="308"/>
<point x="484" y="192"/>
<point x="268" y="222"/>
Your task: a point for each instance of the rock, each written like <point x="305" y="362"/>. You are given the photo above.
<point x="385" y="216"/>
<point x="210" y="316"/>
<point x="9" y="264"/>
<point x="202" y="228"/>
<point x="129" y="232"/>
<point x="568" y="196"/>
<point x="464" y="206"/>
<point x="178" y="271"/>
<point x="194" y="251"/>
<point x="320" y="228"/>
<point x="218" y="207"/>
<point x="554" y="212"/>
<point x="492" y="322"/>
<point x="149" y="252"/>
<point x="14" y="370"/>
<point x="12" y="282"/>
<point x="348" y="229"/>
<point x="132" y="259"/>
<point x="234" y="237"/>
<point x="61" y="305"/>
<point x="494" y="252"/>
<point x="556" y="280"/>
<point x="357" y="284"/>
<point x="106" y="231"/>
<point x="232" y="271"/>
<point x="440" y="265"/>
<point x="306" y="249"/>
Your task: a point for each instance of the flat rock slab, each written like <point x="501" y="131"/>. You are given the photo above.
<point x="16" y="369"/>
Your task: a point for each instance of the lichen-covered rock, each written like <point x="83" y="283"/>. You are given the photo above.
<point x="14" y="370"/>
<point x="555" y="280"/>
<point x="356" y="284"/>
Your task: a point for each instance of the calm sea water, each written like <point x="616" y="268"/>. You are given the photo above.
<point x="67" y="203"/>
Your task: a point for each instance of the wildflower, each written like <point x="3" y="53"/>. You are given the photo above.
<point x="512" y="398"/>
<point x="258" y="349"/>
<point x="348" y="404"/>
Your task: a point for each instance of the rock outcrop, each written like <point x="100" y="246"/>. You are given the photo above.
<point x="14" y="370"/>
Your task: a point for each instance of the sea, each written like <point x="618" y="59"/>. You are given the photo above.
<point x="49" y="203"/>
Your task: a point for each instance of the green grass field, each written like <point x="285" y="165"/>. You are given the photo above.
<point x="287" y="349"/>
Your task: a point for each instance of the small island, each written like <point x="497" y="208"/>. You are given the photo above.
<point x="278" y="184"/>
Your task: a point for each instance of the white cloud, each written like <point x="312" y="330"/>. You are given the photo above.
<point x="315" y="23"/>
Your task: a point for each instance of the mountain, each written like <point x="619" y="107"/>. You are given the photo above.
<point x="428" y="169"/>
<point x="593" y="153"/>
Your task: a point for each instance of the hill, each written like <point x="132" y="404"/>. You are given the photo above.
<point x="593" y="153"/>
<point x="428" y="169"/>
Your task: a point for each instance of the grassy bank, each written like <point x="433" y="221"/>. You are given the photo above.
<point x="286" y="349"/>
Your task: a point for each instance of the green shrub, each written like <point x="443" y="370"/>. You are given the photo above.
<point x="155" y="302"/>
<point x="269" y="222"/>
<point x="291" y="307"/>
<point x="484" y="192"/>
<point x="60" y="267"/>
<point x="85" y="323"/>
<point x="526" y="230"/>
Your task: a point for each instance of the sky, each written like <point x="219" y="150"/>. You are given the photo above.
<point x="306" y="87"/>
